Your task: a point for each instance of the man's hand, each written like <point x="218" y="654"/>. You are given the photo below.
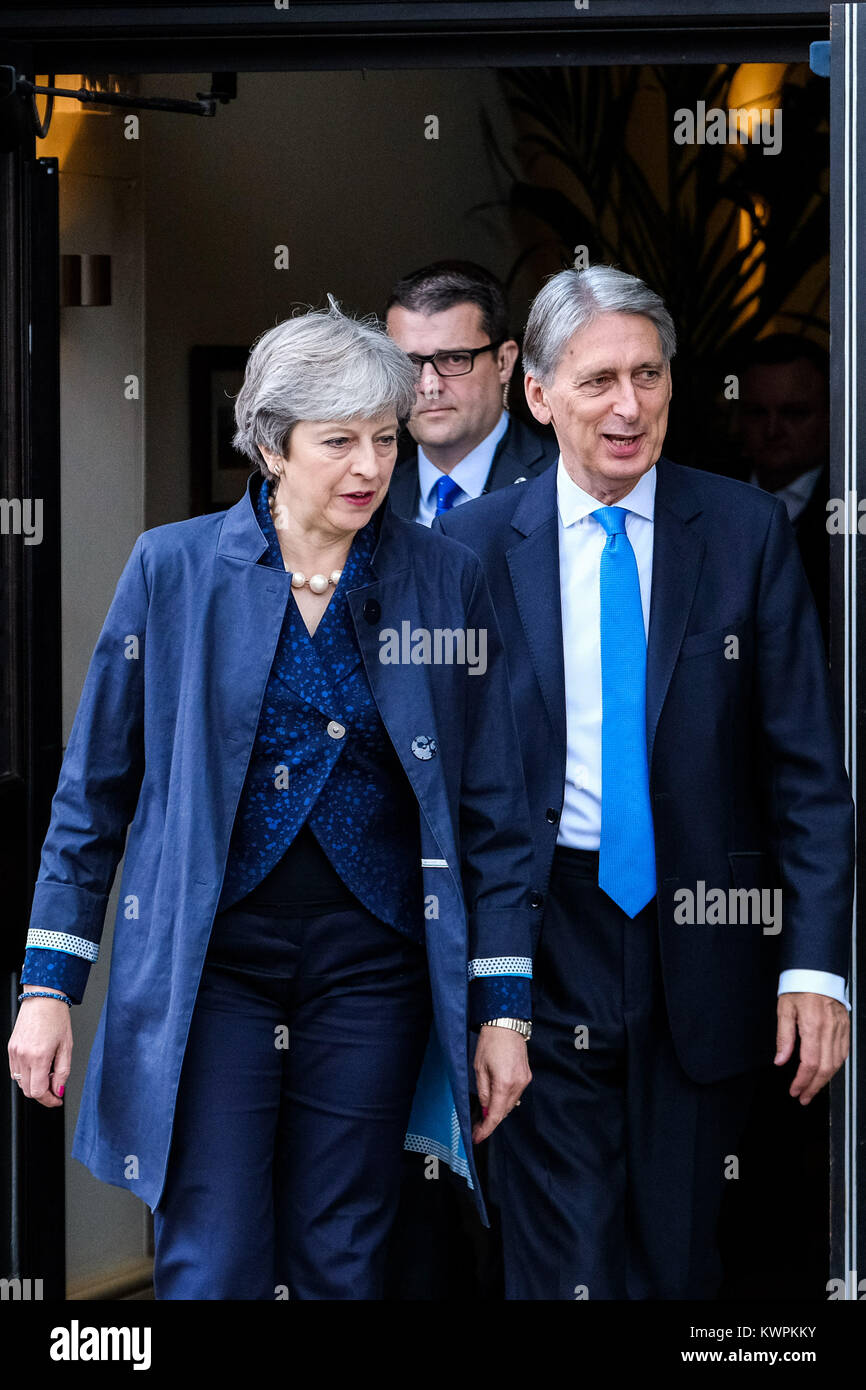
<point x="501" y="1074"/>
<point x="825" y="1031"/>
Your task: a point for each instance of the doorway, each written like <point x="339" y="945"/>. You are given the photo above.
<point x="269" y="232"/>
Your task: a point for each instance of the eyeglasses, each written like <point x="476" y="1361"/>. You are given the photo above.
<point x="455" y="363"/>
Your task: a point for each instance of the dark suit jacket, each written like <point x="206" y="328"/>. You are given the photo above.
<point x="746" y="770"/>
<point x="520" y="453"/>
<point x="813" y="541"/>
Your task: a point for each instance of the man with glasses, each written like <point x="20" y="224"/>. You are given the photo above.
<point x="450" y="317"/>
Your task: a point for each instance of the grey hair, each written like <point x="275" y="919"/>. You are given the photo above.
<point x="573" y="299"/>
<point x="319" y="365"/>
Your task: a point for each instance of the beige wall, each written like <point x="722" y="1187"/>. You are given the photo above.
<point x="333" y="165"/>
<point x="102" y="512"/>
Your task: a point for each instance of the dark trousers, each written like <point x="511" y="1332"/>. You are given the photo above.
<point x="306" y="1042"/>
<point x="611" y="1171"/>
<point x="439" y="1250"/>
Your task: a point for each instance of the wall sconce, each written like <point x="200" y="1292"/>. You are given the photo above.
<point x="85" y="281"/>
<point x="754" y="87"/>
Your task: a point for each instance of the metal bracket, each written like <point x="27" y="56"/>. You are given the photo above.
<point x="224" y="88"/>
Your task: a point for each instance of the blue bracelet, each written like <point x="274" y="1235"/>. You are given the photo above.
<point x="43" y="994"/>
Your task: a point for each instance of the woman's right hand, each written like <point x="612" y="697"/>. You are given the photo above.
<point x="40" y="1048"/>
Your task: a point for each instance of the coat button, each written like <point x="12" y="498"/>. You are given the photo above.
<point x="551" y="816"/>
<point x="535" y="900"/>
<point x="424" y="747"/>
<point x="372" y="610"/>
<point x="336" y="730"/>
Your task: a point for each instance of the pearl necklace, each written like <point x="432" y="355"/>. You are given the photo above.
<point x="317" y="582"/>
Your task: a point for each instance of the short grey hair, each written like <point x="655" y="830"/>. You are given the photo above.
<point x="573" y="299"/>
<point x="319" y="365"/>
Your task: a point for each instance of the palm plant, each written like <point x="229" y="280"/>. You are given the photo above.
<point x="729" y="236"/>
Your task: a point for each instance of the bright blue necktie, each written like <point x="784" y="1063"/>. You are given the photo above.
<point x="626" y="865"/>
<point x="446" y="494"/>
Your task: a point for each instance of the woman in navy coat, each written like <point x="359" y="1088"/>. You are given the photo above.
<point x="297" y="718"/>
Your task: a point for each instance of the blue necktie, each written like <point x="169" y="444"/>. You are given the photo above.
<point x="626" y="865"/>
<point x="446" y="494"/>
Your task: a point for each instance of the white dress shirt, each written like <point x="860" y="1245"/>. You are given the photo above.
<point x="471" y="472"/>
<point x="581" y="541"/>
<point x="796" y="495"/>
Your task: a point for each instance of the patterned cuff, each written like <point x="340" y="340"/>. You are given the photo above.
<point x="56" y="970"/>
<point x="483" y="966"/>
<point x="62" y="941"/>
<point x="499" y="997"/>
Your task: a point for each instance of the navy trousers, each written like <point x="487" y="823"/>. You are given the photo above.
<point x="305" y="1045"/>
<point x="611" y="1172"/>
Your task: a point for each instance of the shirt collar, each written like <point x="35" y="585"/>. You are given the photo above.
<point x="801" y="487"/>
<point x="273" y="555"/>
<point x="575" y="504"/>
<point x="363" y="544"/>
<point x="471" y="472"/>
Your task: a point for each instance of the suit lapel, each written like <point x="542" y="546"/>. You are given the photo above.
<point x="677" y="556"/>
<point x="516" y="456"/>
<point x="246" y="649"/>
<point x="248" y="535"/>
<point x="402" y="692"/>
<point x="405" y="491"/>
<point x="533" y="563"/>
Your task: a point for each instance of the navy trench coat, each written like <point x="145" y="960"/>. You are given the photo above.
<point x="157" y="758"/>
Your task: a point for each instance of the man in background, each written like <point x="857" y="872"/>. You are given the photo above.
<point x="785" y="442"/>
<point x="451" y="318"/>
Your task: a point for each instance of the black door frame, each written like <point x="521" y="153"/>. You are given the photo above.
<point x="163" y="37"/>
<point x="848" y="582"/>
<point x="32" y="1158"/>
<point x="229" y="37"/>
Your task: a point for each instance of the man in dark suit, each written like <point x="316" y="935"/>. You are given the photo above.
<point x="783" y="432"/>
<point x="784" y="427"/>
<point x="693" y="821"/>
<point x="451" y="318"/>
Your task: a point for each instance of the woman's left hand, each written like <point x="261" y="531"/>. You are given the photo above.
<point x="501" y="1073"/>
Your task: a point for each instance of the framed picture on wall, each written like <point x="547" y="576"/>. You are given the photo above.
<point x="218" y="473"/>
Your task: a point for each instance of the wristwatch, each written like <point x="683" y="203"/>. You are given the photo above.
<point x="518" y="1025"/>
